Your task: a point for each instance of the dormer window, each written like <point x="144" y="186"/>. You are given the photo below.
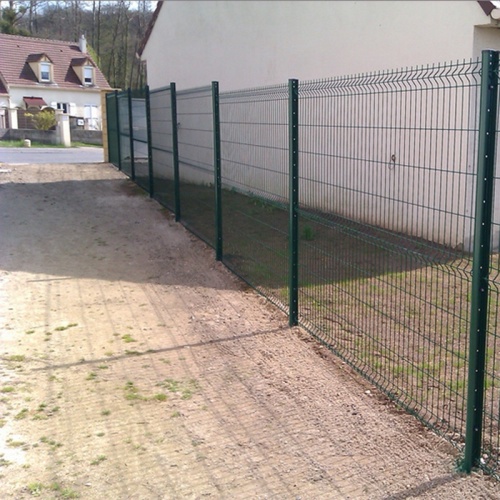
<point x="42" y="67"/>
<point x="45" y="72"/>
<point x="85" y="70"/>
<point x="88" y="75"/>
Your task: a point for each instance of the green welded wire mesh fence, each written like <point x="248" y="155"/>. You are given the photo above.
<point x="196" y="161"/>
<point x="162" y="147"/>
<point x="385" y="225"/>
<point x="254" y="151"/>
<point x="386" y="188"/>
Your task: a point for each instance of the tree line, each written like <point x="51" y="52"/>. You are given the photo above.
<point x="113" y="29"/>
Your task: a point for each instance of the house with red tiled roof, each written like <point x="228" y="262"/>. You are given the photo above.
<point x="36" y="74"/>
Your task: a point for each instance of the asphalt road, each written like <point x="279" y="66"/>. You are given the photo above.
<point x="51" y="155"/>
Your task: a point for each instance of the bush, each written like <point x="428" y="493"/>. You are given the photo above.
<point x="45" y="120"/>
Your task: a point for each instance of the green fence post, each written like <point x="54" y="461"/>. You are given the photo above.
<point x="481" y="258"/>
<point x="117" y="102"/>
<point x="131" y="134"/>
<point x="293" y="251"/>
<point x="150" y="143"/>
<point x="175" y="152"/>
<point x="217" y="171"/>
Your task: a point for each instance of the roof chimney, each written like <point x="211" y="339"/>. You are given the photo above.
<point x="82" y="43"/>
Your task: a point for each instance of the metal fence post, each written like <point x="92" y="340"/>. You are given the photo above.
<point x="131" y="134"/>
<point x="150" y="144"/>
<point x="217" y="171"/>
<point x="293" y="251"/>
<point x="117" y="103"/>
<point x="481" y="258"/>
<point x="175" y="150"/>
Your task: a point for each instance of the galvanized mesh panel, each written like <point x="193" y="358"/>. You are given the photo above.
<point x="254" y="152"/>
<point x="162" y="147"/>
<point x="113" y="148"/>
<point x="196" y="156"/>
<point x="386" y="206"/>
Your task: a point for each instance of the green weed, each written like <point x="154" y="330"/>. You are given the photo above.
<point x="98" y="460"/>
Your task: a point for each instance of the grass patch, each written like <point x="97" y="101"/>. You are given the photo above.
<point x="66" y="327"/>
<point x="98" y="460"/>
<point x="29" y="332"/>
<point x="35" y="489"/>
<point x="53" y="444"/>
<point x="105" y="413"/>
<point x="132" y="392"/>
<point x="7" y="388"/>
<point x="184" y="388"/>
<point x="17" y="357"/>
<point x="91" y="376"/>
<point x="22" y="414"/>
<point x="128" y="338"/>
<point x="160" y="397"/>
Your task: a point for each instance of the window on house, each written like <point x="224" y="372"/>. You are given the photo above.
<point x="44" y="72"/>
<point x="64" y="106"/>
<point x="88" y="75"/>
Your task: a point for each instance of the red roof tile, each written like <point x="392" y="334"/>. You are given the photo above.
<point x="16" y="50"/>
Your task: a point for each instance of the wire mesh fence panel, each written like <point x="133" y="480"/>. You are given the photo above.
<point x="140" y="137"/>
<point x="124" y="132"/>
<point x="386" y="219"/>
<point x="113" y="140"/>
<point x="254" y="153"/>
<point x="162" y="147"/>
<point x="196" y="157"/>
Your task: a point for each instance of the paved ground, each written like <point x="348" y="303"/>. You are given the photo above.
<point x="51" y="155"/>
<point x="132" y="366"/>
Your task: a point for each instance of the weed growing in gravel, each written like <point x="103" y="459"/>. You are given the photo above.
<point x="186" y="388"/>
<point x="35" y="489"/>
<point x="132" y="392"/>
<point x="15" y="444"/>
<point x="22" y="414"/>
<point x="128" y="338"/>
<point x="16" y="357"/>
<point x="103" y="367"/>
<point x="62" y="328"/>
<point x="53" y="444"/>
<point x="64" y="492"/>
<point x="160" y="397"/>
<point x="29" y="332"/>
<point x="105" y="413"/>
<point x="98" y="460"/>
<point x="91" y="376"/>
<point x="7" y="388"/>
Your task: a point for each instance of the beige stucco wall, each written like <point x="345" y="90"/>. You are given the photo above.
<point x="244" y="44"/>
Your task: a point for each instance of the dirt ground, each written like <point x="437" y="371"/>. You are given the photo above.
<point x="133" y="366"/>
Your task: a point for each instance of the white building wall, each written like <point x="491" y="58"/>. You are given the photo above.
<point x="252" y="44"/>
<point x="245" y="44"/>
